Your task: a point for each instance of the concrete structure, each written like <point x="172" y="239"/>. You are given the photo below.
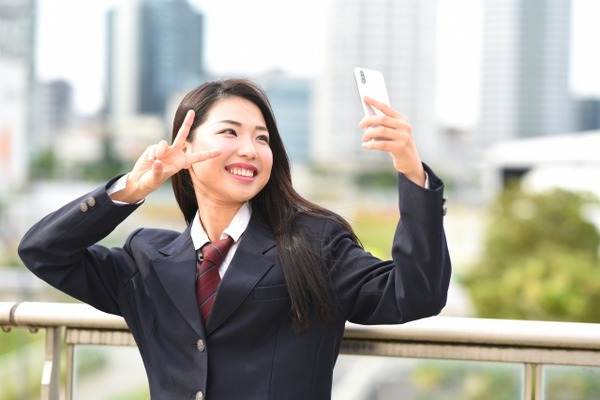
<point x="568" y="161"/>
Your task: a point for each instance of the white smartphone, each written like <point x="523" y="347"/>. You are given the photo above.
<point x="370" y="83"/>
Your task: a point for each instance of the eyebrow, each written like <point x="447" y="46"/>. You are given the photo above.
<point x="236" y="123"/>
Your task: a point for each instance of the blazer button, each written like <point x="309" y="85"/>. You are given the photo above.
<point x="83" y="207"/>
<point x="200" y="345"/>
<point x="91" y="201"/>
<point x="199" y="396"/>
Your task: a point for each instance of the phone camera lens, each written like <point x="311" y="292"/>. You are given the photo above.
<point x="362" y="77"/>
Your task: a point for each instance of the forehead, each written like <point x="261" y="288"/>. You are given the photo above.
<point x="235" y="109"/>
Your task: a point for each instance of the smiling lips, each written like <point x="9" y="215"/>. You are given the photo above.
<point x="246" y="171"/>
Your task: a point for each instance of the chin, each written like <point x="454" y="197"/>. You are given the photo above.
<point x="242" y="197"/>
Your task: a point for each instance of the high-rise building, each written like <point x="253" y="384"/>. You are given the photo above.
<point x="54" y="102"/>
<point x="290" y="98"/>
<point x="525" y="81"/>
<point x="588" y="114"/>
<point x="155" y="48"/>
<point x="396" y="37"/>
<point x="17" y="142"/>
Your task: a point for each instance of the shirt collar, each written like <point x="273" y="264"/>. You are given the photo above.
<point x="236" y="227"/>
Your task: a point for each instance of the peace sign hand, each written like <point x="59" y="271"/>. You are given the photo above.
<point x="159" y="162"/>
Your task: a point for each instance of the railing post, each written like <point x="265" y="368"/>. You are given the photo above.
<point x="51" y="372"/>
<point x="533" y="382"/>
<point x="70" y="371"/>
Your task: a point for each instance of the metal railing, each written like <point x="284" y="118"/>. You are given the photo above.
<point x="531" y="343"/>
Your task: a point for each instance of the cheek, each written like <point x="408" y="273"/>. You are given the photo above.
<point x="267" y="158"/>
<point x="204" y="143"/>
<point x="207" y="167"/>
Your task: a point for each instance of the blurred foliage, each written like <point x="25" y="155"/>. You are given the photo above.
<point x="456" y="380"/>
<point x="540" y="259"/>
<point x="47" y="165"/>
<point x="378" y="179"/>
<point x="101" y="170"/>
<point x="139" y="394"/>
<point x="14" y="339"/>
<point x="89" y="360"/>
<point x="438" y="380"/>
<point x="16" y="354"/>
<point x="571" y="382"/>
<point x="107" y="167"/>
<point x="376" y="229"/>
<point x="26" y="381"/>
<point x="44" y="165"/>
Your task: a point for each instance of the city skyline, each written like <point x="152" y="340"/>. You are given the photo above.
<point x="298" y="51"/>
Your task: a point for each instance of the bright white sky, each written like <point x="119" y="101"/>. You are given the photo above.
<point x="265" y="34"/>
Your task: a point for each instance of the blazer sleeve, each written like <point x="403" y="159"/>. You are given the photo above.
<point x="61" y="249"/>
<point x="414" y="284"/>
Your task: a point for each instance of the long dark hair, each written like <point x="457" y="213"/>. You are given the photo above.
<point x="277" y="205"/>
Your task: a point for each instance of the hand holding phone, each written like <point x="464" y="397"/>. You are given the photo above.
<point x="372" y="84"/>
<point x="405" y="158"/>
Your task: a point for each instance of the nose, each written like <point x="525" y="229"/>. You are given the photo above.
<point x="247" y="148"/>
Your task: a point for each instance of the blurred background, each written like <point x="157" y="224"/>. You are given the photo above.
<point x="503" y="97"/>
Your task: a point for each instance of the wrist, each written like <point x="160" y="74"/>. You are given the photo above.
<point x="125" y="191"/>
<point x="418" y="178"/>
<point x="417" y="175"/>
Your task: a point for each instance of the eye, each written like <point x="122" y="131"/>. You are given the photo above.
<point x="264" y="138"/>
<point x="228" y="131"/>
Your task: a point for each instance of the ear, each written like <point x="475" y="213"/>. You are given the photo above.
<point x="187" y="147"/>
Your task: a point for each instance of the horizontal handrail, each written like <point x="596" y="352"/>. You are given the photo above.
<point x="439" y="329"/>
<point x="46" y="314"/>
<point x="497" y="332"/>
<point x="531" y="343"/>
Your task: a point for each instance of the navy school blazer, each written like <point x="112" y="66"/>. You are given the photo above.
<point x="248" y="349"/>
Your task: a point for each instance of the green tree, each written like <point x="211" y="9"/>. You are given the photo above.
<point x="48" y="165"/>
<point x="540" y="259"/>
<point x="43" y="166"/>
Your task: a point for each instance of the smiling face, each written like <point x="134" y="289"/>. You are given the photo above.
<point x="237" y="128"/>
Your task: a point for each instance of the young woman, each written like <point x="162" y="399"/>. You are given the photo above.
<point x="292" y="278"/>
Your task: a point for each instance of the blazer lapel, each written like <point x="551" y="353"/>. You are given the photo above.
<point x="177" y="274"/>
<point x="247" y="268"/>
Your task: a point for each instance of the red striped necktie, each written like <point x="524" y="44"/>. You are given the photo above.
<point x="209" y="259"/>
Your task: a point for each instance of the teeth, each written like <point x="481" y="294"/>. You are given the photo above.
<point x="241" y="172"/>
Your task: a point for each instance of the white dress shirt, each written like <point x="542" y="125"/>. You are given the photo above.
<point x="236" y="228"/>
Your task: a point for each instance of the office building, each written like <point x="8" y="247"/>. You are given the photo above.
<point x="588" y="114"/>
<point x="155" y="48"/>
<point x="54" y="102"/>
<point x="17" y="141"/>
<point x="525" y="80"/>
<point x="290" y="98"/>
